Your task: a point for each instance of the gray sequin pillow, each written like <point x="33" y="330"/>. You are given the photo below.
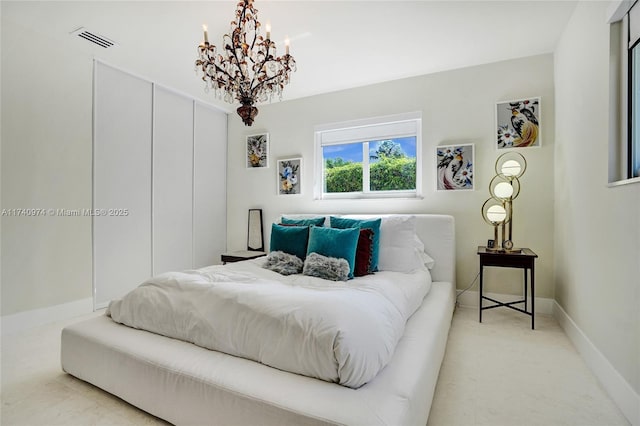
<point x="283" y="263"/>
<point x="328" y="268"/>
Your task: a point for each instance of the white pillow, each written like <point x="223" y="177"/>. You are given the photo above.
<point x="428" y="261"/>
<point x="399" y="251"/>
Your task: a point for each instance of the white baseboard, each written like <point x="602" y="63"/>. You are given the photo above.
<point x="24" y="320"/>
<point x="470" y="299"/>
<point x="616" y="386"/>
<point x="102" y="305"/>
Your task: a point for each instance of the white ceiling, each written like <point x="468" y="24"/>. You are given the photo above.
<point x="337" y="44"/>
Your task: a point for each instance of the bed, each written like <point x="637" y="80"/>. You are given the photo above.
<point x="187" y="384"/>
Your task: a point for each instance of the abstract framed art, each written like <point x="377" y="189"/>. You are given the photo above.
<point x="257" y="151"/>
<point x="455" y="167"/>
<point x="518" y="123"/>
<point x="289" y="173"/>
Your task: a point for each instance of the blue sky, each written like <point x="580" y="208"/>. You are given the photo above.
<point x="353" y="151"/>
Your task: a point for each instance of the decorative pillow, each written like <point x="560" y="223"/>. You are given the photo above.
<point x="310" y="221"/>
<point x="428" y="261"/>
<point x="331" y="242"/>
<point x="290" y="239"/>
<point x="328" y="268"/>
<point x="373" y="224"/>
<point x="398" y="250"/>
<point x="363" y="253"/>
<point x="283" y="263"/>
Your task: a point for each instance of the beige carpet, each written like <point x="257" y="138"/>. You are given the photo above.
<point x="496" y="373"/>
<point x="502" y="373"/>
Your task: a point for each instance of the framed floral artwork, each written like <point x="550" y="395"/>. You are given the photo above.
<point x="518" y="123"/>
<point x="455" y="167"/>
<point x="258" y="151"/>
<point x="289" y="172"/>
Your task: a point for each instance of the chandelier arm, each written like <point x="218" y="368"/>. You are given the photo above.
<point x="233" y="52"/>
<point x="260" y="84"/>
<point x="254" y="18"/>
<point x="251" y="48"/>
<point x="241" y="23"/>
<point x="222" y="71"/>
<point x="242" y="15"/>
<point x="255" y="35"/>
<point x="264" y="62"/>
<point x="211" y="61"/>
<point x="230" y="47"/>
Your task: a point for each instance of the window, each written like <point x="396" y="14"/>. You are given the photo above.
<point x="633" y="143"/>
<point x="624" y="152"/>
<point x="371" y="158"/>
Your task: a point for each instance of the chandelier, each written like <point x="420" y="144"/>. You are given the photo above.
<point x="246" y="68"/>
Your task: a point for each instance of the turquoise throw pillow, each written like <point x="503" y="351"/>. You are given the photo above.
<point x="331" y="242"/>
<point x="290" y="239"/>
<point x="373" y="224"/>
<point x="307" y="221"/>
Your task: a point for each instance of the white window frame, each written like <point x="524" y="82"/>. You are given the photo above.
<point x="620" y="119"/>
<point x="364" y="130"/>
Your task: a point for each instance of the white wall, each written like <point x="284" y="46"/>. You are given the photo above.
<point x="457" y="106"/>
<point x="597" y="246"/>
<point x="46" y="163"/>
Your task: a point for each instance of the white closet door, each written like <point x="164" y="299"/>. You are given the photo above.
<point x="172" y="182"/>
<point x="210" y="160"/>
<point x="121" y="180"/>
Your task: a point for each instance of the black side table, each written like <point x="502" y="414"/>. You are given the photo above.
<point x="237" y="256"/>
<point x="525" y="259"/>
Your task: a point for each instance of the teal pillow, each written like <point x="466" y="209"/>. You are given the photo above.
<point x="373" y="224"/>
<point x="307" y="221"/>
<point x="290" y="239"/>
<point x="331" y="242"/>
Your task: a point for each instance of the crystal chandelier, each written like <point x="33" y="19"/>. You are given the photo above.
<point x="246" y="68"/>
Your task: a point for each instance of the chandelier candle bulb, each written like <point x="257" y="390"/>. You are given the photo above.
<point x="268" y="28"/>
<point x="286" y="46"/>
<point x="206" y="36"/>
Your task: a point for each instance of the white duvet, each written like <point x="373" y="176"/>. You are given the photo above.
<point x="343" y="332"/>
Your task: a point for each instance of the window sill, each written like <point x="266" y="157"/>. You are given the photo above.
<point x="623" y="182"/>
<point x="360" y="196"/>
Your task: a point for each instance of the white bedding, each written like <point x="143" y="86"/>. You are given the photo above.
<point x="338" y="332"/>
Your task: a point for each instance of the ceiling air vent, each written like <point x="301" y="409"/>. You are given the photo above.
<point x="93" y="37"/>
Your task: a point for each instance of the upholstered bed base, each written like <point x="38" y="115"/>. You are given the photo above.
<point x="185" y="384"/>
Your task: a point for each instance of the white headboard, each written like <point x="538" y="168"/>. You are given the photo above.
<point x="437" y="232"/>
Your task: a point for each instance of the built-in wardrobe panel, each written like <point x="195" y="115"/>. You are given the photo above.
<point x="160" y="166"/>
<point x="210" y="160"/>
<point x="172" y="182"/>
<point x="121" y="183"/>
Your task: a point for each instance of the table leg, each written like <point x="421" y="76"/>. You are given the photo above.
<point x="480" y="292"/>
<point x="533" y="299"/>
<point x="525" y="290"/>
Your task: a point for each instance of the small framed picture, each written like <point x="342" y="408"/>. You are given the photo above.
<point x="518" y="123"/>
<point x="289" y="174"/>
<point x="258" y="151"/>
<point x="491" y="243"/>
<point x="455" y="167"/>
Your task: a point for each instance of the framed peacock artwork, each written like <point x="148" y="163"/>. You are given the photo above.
<point x="455" y="167"/>
<point x="518" y="123"/>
